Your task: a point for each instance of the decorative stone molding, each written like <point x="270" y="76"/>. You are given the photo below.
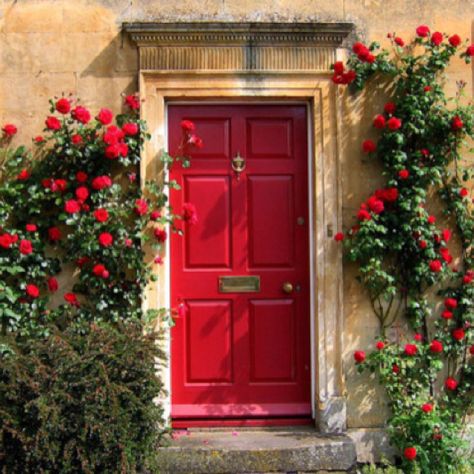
<point x="262" y="62"/>
<point x="237" y="46"/>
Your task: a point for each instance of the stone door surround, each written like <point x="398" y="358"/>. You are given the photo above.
<point x="245" y="62"/>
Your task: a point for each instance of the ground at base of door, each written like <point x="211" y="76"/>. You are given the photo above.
<point x="287" y="450"/>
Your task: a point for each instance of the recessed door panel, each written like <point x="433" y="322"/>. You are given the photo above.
<point x="208" y="242"/>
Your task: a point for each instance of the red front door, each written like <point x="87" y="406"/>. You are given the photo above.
<point x="242" y="349"/>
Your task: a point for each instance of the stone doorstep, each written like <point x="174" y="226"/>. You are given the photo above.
<point x="282" y="450"/>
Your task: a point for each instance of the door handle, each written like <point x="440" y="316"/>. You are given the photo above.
<point x="287" y="287"/>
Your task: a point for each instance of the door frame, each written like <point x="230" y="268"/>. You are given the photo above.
<point x="158" y="90"/>
<point x="251" y="62"/>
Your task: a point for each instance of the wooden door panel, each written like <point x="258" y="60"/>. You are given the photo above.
<point x="271" y="223"/>
<point x="242" y="354"/>
<point x="208" y="243"/>
<point x="209" y="342"/>
<point x="269" y="138"/>
<point x="273" y="320"/>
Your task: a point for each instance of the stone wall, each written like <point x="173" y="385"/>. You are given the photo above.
<point x="78" y="47"/>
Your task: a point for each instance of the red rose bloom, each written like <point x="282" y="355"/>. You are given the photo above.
<point x="399" y="41"/>
<point x="380" y="345"/>
<point x="112" y="152"/>
<point x="446" y="256"/>
<point x="427" y="88"/>
<point x="82" y="193"/>
<point x="54" y="234"/>
<point x="105" y="116"/>
<point x="160" y="234"/>
<point x="9" y="130"/>
<point x="72" y="206"/>
<point x="23" y="175"/>
<point x="410" y="453"/>
<point x="394" y="123"/>
<point x="463" y="192"/>
<point x="411" y="349"/>
<point x="431" y="219"/>
<point x="446" y="234"/>
<point x="31" y="228"/>
<point x="363" y="215"/>
<point x="359" y="356"/>
<point x="141" y="207"/>
<point x="470" y="50"/>
<point x="190" y="213"/>
<point x="63" y="106"/>
<point x="358" y="47"/>
<point x="375" y="204"/>
<point x="99" y="270"/>
<point x="155" y="215"/>
<point x="105" y="239"/>
<point x="459" y="334"/>
<point x="101" y="215"/>
<point x="368" y="146"/>
<point x="422" y="244"/>
<point x="71" y="298"/>
<point x="418" y="337"/>
<point x="395" y="369"/>
<point x="379" y="122"/>
<point x="132" y="102"/>
<point x="32" y="290"/>
<point x="403" y="174"/>
<point x="101" y="182"/>
<point x="195" y="141"/>
<point x="390" y="194"/>
<point x="52" y="123"/>
<point x="339" y="237"/>
<point x="437" y="38"/>
<point x="436" y="266"/>
<point x="456" y="123"/>
<point x="451" y="384"/>
<point x="38" y="139"/>
<point x="390" y="108"/>
<point x="188" y="126"/>
<point x="81" y="114"/>
<point x="338" y="67"/>
<point x="76" y="139"/>
<point x="427" y="407"/>
<point x="454" y="40"/>
<point x="52" y="284"/>
<point x="25" y="247"/>
<point x="446" y="314"/>
<point x="436" y="347"/>
<point x="113" y="135"/>
<point x="451" y="303"/>
<point x="422" y="31"/>
<point x="130" y="128"/>
<point x="81" y="177"/>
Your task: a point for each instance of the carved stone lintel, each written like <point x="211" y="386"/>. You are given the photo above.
<point x="237" y="46"/>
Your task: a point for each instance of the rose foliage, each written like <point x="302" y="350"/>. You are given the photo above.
<point x="79" y="237"/>
<point x="404" y="253"/>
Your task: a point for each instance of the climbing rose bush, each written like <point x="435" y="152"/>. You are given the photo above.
<point x="414" y="264"/>
<point x="80" y="237"/>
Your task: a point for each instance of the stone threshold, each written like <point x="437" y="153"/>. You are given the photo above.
<point x="258" y="450"/>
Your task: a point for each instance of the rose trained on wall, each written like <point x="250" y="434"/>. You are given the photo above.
<point x="80" y="236"/>
<point x="403" y="253"/>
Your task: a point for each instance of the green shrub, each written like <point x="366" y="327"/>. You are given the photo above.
<point x="80" y="400"/>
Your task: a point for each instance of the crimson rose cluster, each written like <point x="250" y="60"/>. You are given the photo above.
<point x="77" y="203"/>
<point x="403" y="254"/>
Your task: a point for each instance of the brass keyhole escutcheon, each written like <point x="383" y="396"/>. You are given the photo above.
<point x="287" y="287"/>
<point x="238" y="164"/>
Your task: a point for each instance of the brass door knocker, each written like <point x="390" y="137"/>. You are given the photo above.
<point x="238" y="164"/>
